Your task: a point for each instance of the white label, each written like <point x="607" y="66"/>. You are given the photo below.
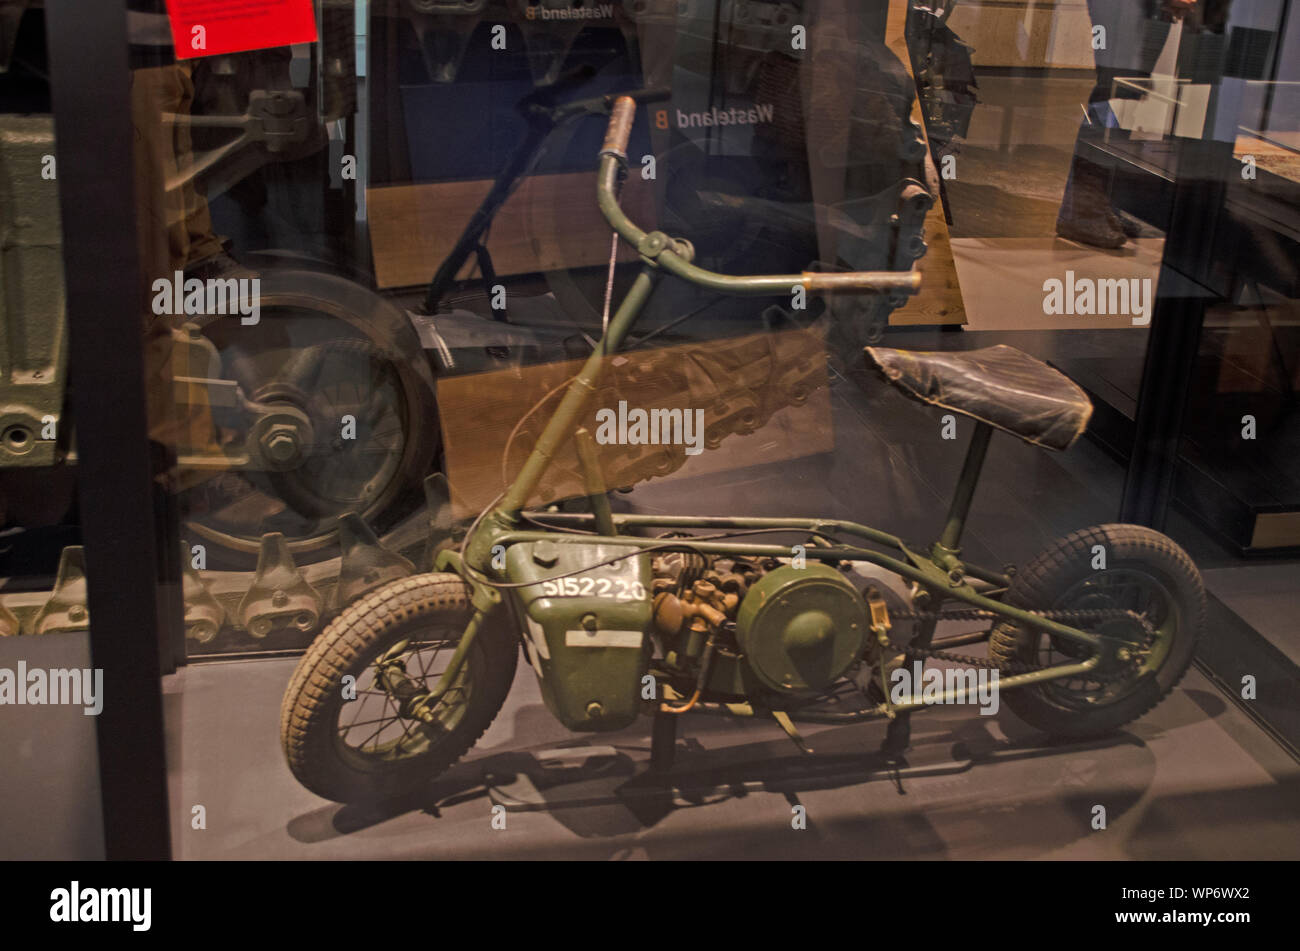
<point x="602" y="638"/>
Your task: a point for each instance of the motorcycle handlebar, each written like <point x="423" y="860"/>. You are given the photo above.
<point x="613" y="154"/>
<point x="619" y="129"/>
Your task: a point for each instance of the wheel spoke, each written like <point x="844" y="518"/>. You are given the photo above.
<point x="419" y="659"/>
<point x="352" y="726"/>
<point x="366" y="741"/>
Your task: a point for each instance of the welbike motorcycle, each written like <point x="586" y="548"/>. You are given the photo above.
<point x="626" y="614"/>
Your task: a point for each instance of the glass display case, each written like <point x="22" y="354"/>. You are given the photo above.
<point x="620" y="424"/>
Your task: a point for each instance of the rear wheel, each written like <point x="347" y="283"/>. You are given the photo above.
<point x="1145" y="573"/>
<point x="350" y="740"/>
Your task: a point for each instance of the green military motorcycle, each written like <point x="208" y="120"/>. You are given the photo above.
<point x="624" y="614"/>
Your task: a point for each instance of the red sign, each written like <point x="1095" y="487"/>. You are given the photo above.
<point x="213" y="27"/>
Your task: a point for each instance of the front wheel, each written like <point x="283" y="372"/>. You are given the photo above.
<point x="348" y="739"/>
<point x="1105" y="568"/>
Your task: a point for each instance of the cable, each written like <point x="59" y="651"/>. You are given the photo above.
<point x="554" y="528"/>
<point x="675" y="545"/>
<point x="505" y="453"/>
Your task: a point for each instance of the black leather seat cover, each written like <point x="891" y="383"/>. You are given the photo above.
<point x="1000" y="385"/>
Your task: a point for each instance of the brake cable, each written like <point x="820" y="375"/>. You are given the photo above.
<point x="613" y="255"/>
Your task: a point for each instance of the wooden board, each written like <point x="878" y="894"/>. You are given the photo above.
<point x="550" y="222"/>
<point x="1280" y="156"/>
<point x="480" y="411"/>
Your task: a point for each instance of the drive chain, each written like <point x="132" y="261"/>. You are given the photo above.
<point x="1012" y="667"/>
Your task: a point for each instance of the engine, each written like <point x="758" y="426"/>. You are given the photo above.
<point x="745" y="625"/>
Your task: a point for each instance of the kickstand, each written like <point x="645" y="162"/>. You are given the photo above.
<point x="663" y="742"/>
<point x="898" y="737"/>
<point x="783" y="718"/>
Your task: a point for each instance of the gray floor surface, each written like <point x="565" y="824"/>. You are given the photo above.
<point x="1267" y="597"/>
<point x="1192" y="780"/>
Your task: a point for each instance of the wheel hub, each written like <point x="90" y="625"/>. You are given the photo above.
<point x="280" y="435"/>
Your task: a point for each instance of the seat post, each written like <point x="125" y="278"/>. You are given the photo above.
<point x="965" y="491"/>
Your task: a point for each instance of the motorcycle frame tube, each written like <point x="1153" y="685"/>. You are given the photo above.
<point x="576" y="398"/>
<point x="950" y="540"/>
<point x="882" y="711"/>
<point x="593" y="481"/>
<point x="935" y="579"/>
<point x="814" y="526"/>
<point x="657" y="251"/>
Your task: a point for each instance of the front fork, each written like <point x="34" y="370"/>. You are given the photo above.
<point x="412" y="701"/>
<point x="390" y="670"/>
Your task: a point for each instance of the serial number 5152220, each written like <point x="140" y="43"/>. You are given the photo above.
<point x="587" y="586"/>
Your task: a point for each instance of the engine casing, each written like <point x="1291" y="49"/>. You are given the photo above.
<point x="800" y="629"/>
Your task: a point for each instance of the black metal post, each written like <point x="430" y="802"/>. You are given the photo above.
<point x="1166" y="377"/>
<point x="95" y="170"/>
<point x="1196" y="236"/>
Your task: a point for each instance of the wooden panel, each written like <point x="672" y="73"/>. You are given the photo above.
<point x="550" y="222"/>
<point x="1035" y="34"/>
<point x="480" y="411"/>
<point x="1280" y="156"/>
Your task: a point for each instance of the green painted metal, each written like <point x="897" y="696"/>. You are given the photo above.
<point x="584" y="634"/>
<point x="950" y="540"/>
<point x="457" y="659"/>
<point x="884" y="710"/>
<point x="801" y="628"/>
<point x="674" y="257"/>
<point x="593" y="481"/>
<point x="932" y="578"/>
<point x="33" y="335"/>
<point x="818" y="526"/>
<point x="958" y="695"/>
<point x="574" y="404"/>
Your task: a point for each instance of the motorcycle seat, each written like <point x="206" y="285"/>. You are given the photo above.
<point x="1000" y="385"/>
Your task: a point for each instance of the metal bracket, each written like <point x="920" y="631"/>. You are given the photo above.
<point x="366" y="564"/>
<point x="204" y="614"/>
<point x="279" y="595"/>
<point x="880" y="626"/>
<point x="67" y="609"/>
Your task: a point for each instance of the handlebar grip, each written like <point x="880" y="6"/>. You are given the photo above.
<point x="621" y="118"/>
<point x="821" y="282"/>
